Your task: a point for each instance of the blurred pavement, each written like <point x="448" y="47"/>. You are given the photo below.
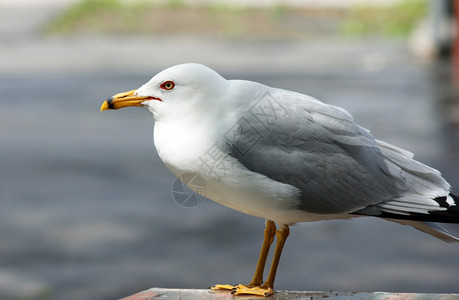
<point x="85" y="204"/>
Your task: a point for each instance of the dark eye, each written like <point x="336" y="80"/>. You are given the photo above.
<point x="167" y="85"/>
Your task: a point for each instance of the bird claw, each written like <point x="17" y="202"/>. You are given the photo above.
<point x="224" y="287"/>
<point x="262" y="290"/>
<point x="240" y="289"/>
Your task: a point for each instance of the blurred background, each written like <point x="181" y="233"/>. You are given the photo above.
<point x="86" y="210"/>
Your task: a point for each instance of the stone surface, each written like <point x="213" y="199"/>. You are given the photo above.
<point x="192" y="294"/>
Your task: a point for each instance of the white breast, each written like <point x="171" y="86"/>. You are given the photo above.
<point x="227" y="181"/>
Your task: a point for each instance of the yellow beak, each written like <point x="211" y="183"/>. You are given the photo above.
<point x="124" y="100"/>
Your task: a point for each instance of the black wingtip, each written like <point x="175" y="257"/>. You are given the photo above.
<point x="450" y="213"/>
<point x="442" y="201"/>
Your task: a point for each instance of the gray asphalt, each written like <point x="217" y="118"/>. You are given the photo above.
<point x="86" y="209"/>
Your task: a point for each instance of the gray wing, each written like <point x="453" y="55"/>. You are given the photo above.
<point x="318" y="148"/>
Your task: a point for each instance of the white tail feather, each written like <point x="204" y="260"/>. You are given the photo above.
<point x="433" y="229"/>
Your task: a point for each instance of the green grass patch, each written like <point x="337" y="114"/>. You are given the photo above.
<point x="100" y="16"/>
<point x="394" y="21"/>
<point x="217" y="19"/>
<point x="44" y="294"/>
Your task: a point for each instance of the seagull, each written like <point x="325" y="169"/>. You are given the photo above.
<point x="285" y="157"/>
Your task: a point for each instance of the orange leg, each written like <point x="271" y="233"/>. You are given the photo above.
<point x="270" y="231"/>
<point x="267" y="288"/>
<point x="282" y="235"/>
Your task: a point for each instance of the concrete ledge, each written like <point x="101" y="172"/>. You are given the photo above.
<point x="159" y="293"/>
